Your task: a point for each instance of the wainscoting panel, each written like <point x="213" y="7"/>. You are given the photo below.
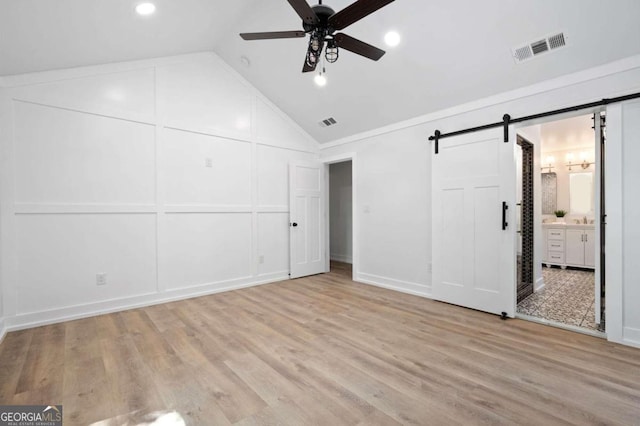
<point x="60" y="255"/>
<point x="273" y="243"/>
<point x="73" y="157"/>
<point x="201" y="169"/>
<point x="202" y="248"/>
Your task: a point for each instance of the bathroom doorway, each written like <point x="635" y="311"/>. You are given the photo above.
<point x="560" y="206"/>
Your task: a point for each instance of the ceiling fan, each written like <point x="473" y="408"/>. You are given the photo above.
<point x="321" y="22"/>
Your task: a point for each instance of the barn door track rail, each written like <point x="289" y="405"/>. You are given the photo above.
<point x="507" y="120"/>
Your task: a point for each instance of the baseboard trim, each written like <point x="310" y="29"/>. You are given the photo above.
<point x="393" y="284"/>
<point x="3" y="330"/>
<point x="341" y="258"/>
<point x="631" y="336"/>
<point x="37" y="319"/>
<point x="539" y="285"/>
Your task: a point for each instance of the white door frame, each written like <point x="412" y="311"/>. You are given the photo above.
<point x="327" y="161"/>
<point x="614" y="286"/>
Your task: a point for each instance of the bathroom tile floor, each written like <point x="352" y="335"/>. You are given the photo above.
<point x="568" y="297"/>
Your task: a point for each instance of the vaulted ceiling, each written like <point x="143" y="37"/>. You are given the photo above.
<point x="451" y="52"/>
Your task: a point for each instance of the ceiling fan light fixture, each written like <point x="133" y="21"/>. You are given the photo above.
<point x="331" y="53"/>
<point x="145" y="9"/>
<point x="320" y="80"/>
<point x="392" y="38"/>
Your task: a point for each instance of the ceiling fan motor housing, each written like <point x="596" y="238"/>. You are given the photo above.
<point x="323" y="13"/>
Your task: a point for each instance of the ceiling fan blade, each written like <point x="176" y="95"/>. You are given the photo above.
<point x="355" y="12"/>
<point x="304" y="11"/>
<point x="359" y="47"/>
<point x="272" y="35"/>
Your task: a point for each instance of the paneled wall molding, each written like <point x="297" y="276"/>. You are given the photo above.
<point x="106" y="113"/>
<point x="184" y="127"/>
<point x="273" y="209"/>
<point x="70" y="74"/>
<point x="44" y="208"/>
<point x="206" y="208"/>
<point x="170" y="176"/>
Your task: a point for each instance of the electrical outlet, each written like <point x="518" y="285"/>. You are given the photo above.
<point x="208" y="162"/>
<point x="261" y="259"/>
<point x="101" y="279"/>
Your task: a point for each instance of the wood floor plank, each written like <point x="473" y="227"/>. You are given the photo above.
<point x="319" y="350"/>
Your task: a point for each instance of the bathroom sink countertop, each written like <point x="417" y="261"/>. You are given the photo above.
<point x="569" y="225"/>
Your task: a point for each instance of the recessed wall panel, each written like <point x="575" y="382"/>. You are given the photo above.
<point x="201" y="169"/>
<point x="128" y="94"/>
<point x="204" y="95"/>
<point x="70" y="157"/>
<point x="273" y="242"/>
<point x="273" y="128"/>
<point x="59" y="256"/>
<point x="204" y="248"/>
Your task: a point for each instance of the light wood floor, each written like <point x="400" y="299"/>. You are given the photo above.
<point x="320" y="350"/>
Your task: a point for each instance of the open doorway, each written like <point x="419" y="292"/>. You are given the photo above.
<point x="341" y="218"/>
<point x="564" y="288"/>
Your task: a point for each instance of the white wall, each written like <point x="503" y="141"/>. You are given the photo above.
<point x="340" y="211"/>
<point x="169" y="175"/>
<point x="394" y="170"/>
<point x="392" y="209"/>
<point x="631" y="224"/>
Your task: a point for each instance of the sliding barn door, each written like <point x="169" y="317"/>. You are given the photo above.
<point x="474" y="226"/>
<point x="306" y="218"/>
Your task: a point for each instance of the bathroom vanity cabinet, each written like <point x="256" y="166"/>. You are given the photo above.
<point x="569" y="245"/>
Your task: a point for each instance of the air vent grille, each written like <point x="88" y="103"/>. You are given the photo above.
<point x="523" y="53"/>
<point x="556" y="41"/>
<point x="538" y="47"/>
<point x="328" y="122"/>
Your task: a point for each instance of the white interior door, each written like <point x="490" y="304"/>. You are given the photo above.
<point x="474" y="258"/>
<point x="306" y="218"/>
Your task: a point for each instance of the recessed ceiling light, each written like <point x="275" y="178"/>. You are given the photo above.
<point x="145" y="9"/>
<point x="245" y="61"/>
<point x="392" y="39"/>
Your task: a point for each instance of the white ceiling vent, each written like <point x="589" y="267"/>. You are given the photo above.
<point x="538" y="47"/>
<point x="328" y="122"/>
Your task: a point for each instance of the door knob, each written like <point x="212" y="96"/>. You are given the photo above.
<point x="294" y="224"/>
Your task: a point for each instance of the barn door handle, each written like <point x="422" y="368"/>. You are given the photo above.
<point x="505" y="207"/>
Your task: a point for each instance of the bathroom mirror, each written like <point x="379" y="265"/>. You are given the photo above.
<point x="581" y="193"/>
<point x="549" y="192"/>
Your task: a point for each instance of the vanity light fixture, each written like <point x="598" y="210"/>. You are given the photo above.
<point x="550" y="160"/>
<point x="584" y="164"/>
